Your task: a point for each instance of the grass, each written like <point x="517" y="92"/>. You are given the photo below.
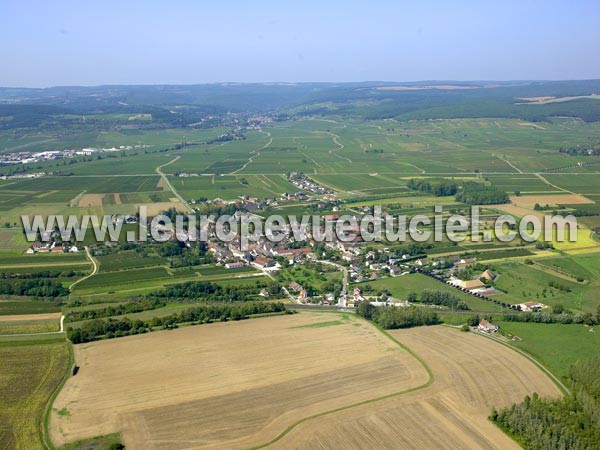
<point x="330" y="323"/>
<point x="522" y="282"/>
<point x="95" y="443"/>
<point x="401" y="286"/>
<point x="556" y="346"/>
<point x="29" y="374"/>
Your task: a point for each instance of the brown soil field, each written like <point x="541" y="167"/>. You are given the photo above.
<point x="156" y="208"/>
<point x="529" y="201"/>
<point x="228" y="385"/>
<point x="471" y="374"/>
<point x="518" y="211"/>
<point x="28" y="317"/>
<point x="90" y="200"/>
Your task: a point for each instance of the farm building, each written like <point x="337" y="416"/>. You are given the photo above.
<point x="487" y="326"/>
<point x="531" y="306"/>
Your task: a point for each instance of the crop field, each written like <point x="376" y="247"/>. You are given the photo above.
<point x="9" y="307"/>
<point x="580" y="183"/>
<point x="470" y="375"/>
<point x="29" y="324"/>
<point x="152" y="399"/>
<point x="30" y="371"/>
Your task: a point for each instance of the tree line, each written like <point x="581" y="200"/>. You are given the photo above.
<point x="571" y="422"/>
<point x="111" y="328"/>
<point x="439" y="188"/>
<point x="38" y="287"/>
<point x="394" y="317"/>
<point x="437" y="297"/>
<point x="116" y="310"/>
<point x="207" y="291"/>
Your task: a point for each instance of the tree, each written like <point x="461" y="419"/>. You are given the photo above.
<point x="366" y="310"/>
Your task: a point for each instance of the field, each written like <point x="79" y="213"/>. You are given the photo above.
<point x="401" y="286"/>
<point x="305" y="380"/>
<point x="29" y="373"/>
<point x="471" y="374"/>
<point x="556" y="346"/>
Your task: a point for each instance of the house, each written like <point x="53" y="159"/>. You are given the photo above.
<point x="293" y="286"/>
<point x="303" y="295"/>
<point x="234" y="265"/>
<point x="263" y="263"/>
<point x="486" y="326"/>
<point x="264" y="293"/>
<point x="74" y="249"/>
<point x="488" y="275"/>
<point x="531" y="306"/>
<point x="470" y="285"/>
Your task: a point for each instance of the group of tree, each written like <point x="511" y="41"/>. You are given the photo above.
<point x="110" y="328"/>
<point x="394" y="317"/>
<point x="571" y="422"/>
<point x="116" y="310"/>
<point x="474" y="193"/>
<point x="207" y="291"/>
<point x="437" y="297"/>
<point x="439" y="188"/>
<point x="587" y="150"/>
<point x="547" y="317"/>
<point x="37" y="287"/>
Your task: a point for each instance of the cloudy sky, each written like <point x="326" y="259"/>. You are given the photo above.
<point x="58" y="42"/>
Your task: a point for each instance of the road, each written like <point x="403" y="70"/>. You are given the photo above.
<point x="170" y="186"/>
<point x="94" y="270"/>
<point x="343" y="269"/>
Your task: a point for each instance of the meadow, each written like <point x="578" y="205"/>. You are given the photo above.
<point x="556" y="346"/>
<point x="400" y="286"/>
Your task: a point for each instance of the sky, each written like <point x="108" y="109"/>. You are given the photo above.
<point x="58" y="42"/>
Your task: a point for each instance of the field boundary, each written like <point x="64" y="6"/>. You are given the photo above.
<point x="559" y="384"/>
<point x="44" y="426"/>
<point x="428" y="383"/>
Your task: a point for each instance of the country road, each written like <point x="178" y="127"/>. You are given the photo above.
<point x="94" y="270"/>
<point x="170" y="186"/>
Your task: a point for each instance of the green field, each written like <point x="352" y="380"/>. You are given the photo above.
<point x="556" y="346"/>
<point x="26" y="306"/>
<point x="29" y="374"/>
<point x="401" y="286"/>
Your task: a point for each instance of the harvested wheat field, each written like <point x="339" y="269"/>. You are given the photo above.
<point x="228" y="385"/>
<point x="90" y="200"/>
<point x="471" y="374"/>
<point x="529" y="201"/>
